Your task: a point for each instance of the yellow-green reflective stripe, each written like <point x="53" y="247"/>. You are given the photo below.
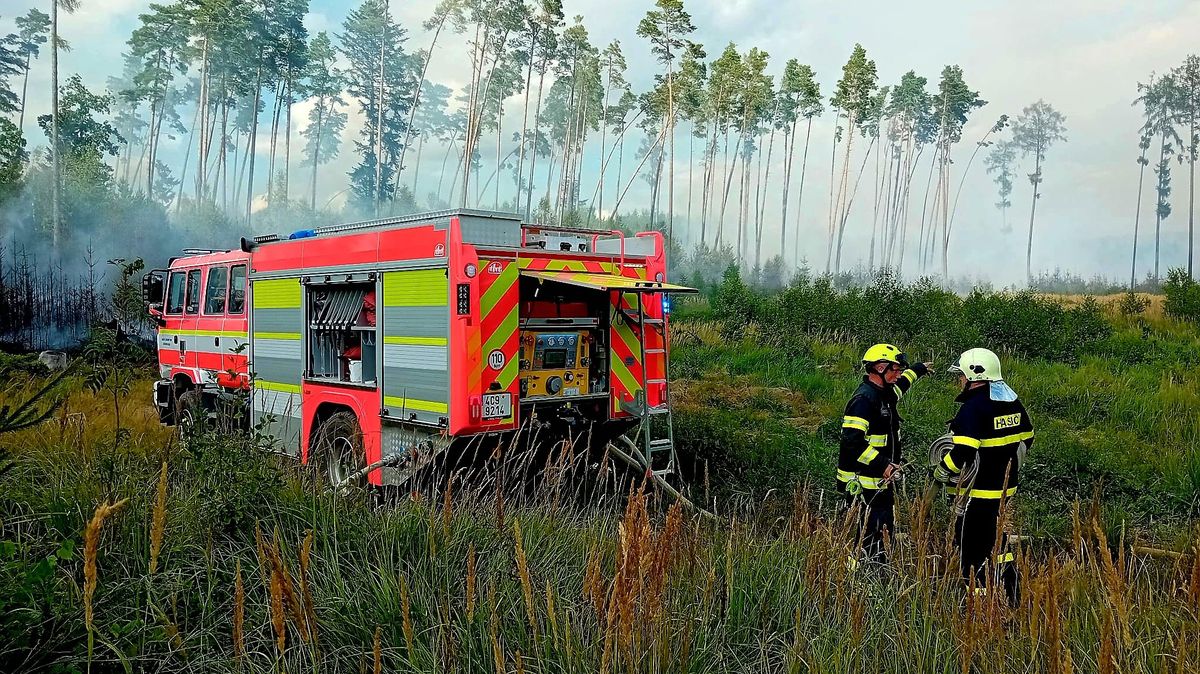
<point x="277" y="335"/>
<point x="416" y="341"/>
<point x="496" y="291"/>
<point x="1005" y="558"/>
<point x="503" y="332"/>
<point x="277" y="293"/>
<point x="868" y="455"/>
<point x="414" y="405"/>
<point x="1007" y="440"/>
<point x="910" y="376"/>
<point x="276" y="386"/>
<point x="866" y="482"/>
<point x="855" y="422"/>
<point x="625" y="376"/>
<point x="950" y="464"/>
<point x="508" y="374"/>
<point x="877" y="440"/>
<point x="418" y="288"/>
<point x="966" y="440"/>
<point x="983" y="493"/>
<point x="203" y="333"/>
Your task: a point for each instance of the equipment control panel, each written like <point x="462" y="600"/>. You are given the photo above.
<point x="554" y="363"/>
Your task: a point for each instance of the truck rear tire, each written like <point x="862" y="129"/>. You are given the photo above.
<point x="339" y="449"/>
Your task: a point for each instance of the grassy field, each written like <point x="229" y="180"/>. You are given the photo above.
<point x="220" y="557"/>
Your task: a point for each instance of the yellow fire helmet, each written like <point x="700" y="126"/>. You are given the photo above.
<point x="978" y="365"/>
<point x="884" y="353"/>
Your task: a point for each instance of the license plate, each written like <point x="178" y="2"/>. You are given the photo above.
<point x="497" y="405"/>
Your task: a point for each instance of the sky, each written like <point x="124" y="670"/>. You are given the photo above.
<point x="1084" y="57"/>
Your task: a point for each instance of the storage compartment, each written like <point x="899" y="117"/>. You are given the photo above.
<point x="342" y="340"/>
<point x="563" y="342"/>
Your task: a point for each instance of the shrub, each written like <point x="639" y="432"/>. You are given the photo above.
<point x="918" y="315"/>
<point x="1132" y="304"/>
<point x="238" y="474"/>
<point x="1183" y="296"/>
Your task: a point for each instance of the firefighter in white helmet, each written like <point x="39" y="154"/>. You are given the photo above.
<point x="992" y="430"/>
<point x="869" y="457"/>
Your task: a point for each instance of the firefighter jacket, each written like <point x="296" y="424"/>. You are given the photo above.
<point x="989" y="431"/>
<point x="871" y="430"/>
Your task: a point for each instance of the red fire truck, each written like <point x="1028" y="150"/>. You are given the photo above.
<point x="389" y="340"/>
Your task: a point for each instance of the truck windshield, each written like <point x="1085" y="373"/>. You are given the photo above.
<point x="175" y="293"/>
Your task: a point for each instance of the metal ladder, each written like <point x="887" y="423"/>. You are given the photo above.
<point x="653" y="449"/>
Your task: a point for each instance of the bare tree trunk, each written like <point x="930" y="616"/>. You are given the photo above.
<point x="416" y="102"/>
<point x="1191" y="183"/>
<point x="1037" y="171"/>
<point x="1162" y="158"/>
<point x="55" y="145"/>
<point x="24" y="91"/>
<point x="800" y="188"/>
<point x="537" y="122"/>
<point x="250" y="145"/>
<point x="287" y="145"/>
<point x="850" y="202"/>
<point x="417" y="164"/>
<point x="316" y="158"/>
<point x="642" y="163"/>
<point x="525" y="118"/>
<point x="379" y="108"/>
<point x="276" y="111"/>
<point x="499" y="133"/>
<point x="187" y="155"/>
<point x="789" y="142"/>
<point x="1137" y="216"/>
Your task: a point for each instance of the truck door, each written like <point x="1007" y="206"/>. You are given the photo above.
<point x="234" y="372"/>
<point x="169" y="335"/>
<point x="188" y="357"/>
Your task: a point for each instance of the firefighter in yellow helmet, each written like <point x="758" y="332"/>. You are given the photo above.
<point x="991" y="433"/>
<point x="869" y="457"/>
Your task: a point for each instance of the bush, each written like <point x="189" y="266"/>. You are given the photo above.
<point x="1183" y="296"/>
<point x="238" y="475"/>
<point x="1132" y="304"/>
<point x="918" y="315"/>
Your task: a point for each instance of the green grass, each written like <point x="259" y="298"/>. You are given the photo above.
<point x="1111" y="566"/>
<point x="1121" y="419"/>
<point x="607" y="591"/>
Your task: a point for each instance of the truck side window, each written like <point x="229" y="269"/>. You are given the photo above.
<point x="193" y="292"/>
<point x="237" y="289"/>
<point x="214" y="290"/>
<point x="175" y="293"/>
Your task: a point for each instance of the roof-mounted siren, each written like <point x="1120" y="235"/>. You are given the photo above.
<point x="248" y="245"/>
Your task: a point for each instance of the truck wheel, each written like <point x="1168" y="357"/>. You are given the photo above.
<point x="339" y="445"/>
<point x="189" y="411"/>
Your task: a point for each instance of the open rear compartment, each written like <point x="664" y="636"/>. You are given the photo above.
<point x="564" y="357"/>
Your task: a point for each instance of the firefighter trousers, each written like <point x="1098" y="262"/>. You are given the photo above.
<point x="874" y="512"/>
<point x="975" y="538"/>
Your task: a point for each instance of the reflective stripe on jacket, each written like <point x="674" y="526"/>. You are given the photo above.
<point x="990" y="432"/>
<point x="870" y="438"/>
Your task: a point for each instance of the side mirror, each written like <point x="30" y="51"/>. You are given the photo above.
<point x="157" y="315"/>
<point x="152" y="287"/>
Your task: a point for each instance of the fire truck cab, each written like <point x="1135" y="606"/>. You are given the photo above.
<point x="388" y="341"/>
